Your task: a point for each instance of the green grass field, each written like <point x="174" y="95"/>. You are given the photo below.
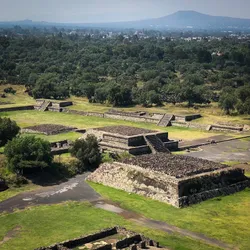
<point x="32" y="117"/>
<point x="45" y="225"/>
<point x="212" y="114"/>
<point x="224" y="218"/>
<point x="59" y="137"/>
<point x="19" y="99"/>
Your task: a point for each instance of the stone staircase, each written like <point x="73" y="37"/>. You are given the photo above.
<point x="44" y="106"/>
<point x="165" y="120"/>
<point x="155" y="144"/>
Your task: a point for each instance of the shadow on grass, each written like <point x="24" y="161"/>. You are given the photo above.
<point x="54" y="175"/>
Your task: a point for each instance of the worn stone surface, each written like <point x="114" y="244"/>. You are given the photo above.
<point x="97" y="241"/>
<point x="48" y="129"/>
<point x="174" y="165"/>
<point x="125" y="130"/>
<point x="161" y="183"/>
<point x="132" y="140"/>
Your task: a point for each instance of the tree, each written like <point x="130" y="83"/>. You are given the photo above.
<point x="49" y="86"/>
<point x="8" y="130"/>
<point x="154" y="98"/>
<point x="28" y="152"/>
<point x="227" y="100"/>
<point x="243" y="95"/>
<point x="195" y="94"/>
<point x="204" y="56"/>
<point x="120" y="95"/>
<point x="87" y="152"/>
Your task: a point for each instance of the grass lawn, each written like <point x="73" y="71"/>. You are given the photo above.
<point x="17" y="190"/>
<point x="225" y="218"/>
<point x="64" y="158"/>
<point x="30" y="118"/>
<point x="19" y="99"/>
<point x="212" y="114"/>
<point x="45" y="225"/>
<point x="59" y="137"/>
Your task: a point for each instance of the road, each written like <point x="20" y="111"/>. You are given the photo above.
<point x="75" y="189"/>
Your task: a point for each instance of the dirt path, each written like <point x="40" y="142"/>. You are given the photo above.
<point x="11" y="234"/>
<point x="159" y="225"/>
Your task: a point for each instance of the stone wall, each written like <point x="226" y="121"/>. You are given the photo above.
<point x="124" y="243"/>
<point x="82" y="240"/>
<point x="177" y="192"/>
<point x="189" y="125"/>
<point x="134" y="179"/>
<point x="131" y="118"/>
<point x="83" y="113"/>
<point x="131" y="241"/>
<point x="187" y="118"/>
<point x="172" y="145"/>
<point x="197" y="198"/>
<point x="163" y="136"/>
<point x="29" y="107"/>
<point x="216" y="179"/>
<point x="226" y="128"/>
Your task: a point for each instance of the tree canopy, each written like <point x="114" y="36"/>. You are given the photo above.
<point x="87" y="152"/>
<point x="8" y="130"/>
<point x="28" y="152"/>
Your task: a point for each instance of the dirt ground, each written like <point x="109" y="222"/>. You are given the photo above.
<point x="231" y="151"/>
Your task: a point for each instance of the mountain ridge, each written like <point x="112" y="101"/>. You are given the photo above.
<point x="180" y="19"/>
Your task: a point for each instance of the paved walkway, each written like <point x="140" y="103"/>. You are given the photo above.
<point x="76" y="189"/>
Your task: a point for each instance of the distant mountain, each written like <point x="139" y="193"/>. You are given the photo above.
<point x="178" y="20"/>
<point x="190" y="19"/>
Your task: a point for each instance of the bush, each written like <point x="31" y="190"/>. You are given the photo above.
<point x="8" y="130"/>
<point x="9" y="90"/>
<point x="27" y="152"/>
<point x="87" y="152"/>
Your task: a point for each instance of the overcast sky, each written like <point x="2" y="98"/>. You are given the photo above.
<point x="81" y="11"/>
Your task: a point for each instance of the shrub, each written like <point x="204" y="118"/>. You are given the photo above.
<point x="87" y="152"/>
<point x="8" y="130"/>
<point x="9" y="90"/>
<point x="27" y="152"/>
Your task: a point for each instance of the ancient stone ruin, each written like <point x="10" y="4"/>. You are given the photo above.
<point x="60" y="147"/>
<point x="133" y="140"/>
<point x="177" y="180"/>
<point x="108" y="239"/>
<point x="47" y="129"/>
<point x="45" y="105"/>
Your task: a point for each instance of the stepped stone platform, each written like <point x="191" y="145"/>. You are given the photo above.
<point x="178" y="180"/>
<point x="108" y="239"/>
<point x="135" y="141"/>
<point x="47" y="129"/>
<point x="46" y="105"/>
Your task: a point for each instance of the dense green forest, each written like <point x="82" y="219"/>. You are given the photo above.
<point x="125" y="70"/>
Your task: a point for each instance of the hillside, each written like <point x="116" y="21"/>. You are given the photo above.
<point x="177" y="20"/>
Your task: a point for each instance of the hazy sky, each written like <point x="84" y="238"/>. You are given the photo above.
<point x="114" y="10"/>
